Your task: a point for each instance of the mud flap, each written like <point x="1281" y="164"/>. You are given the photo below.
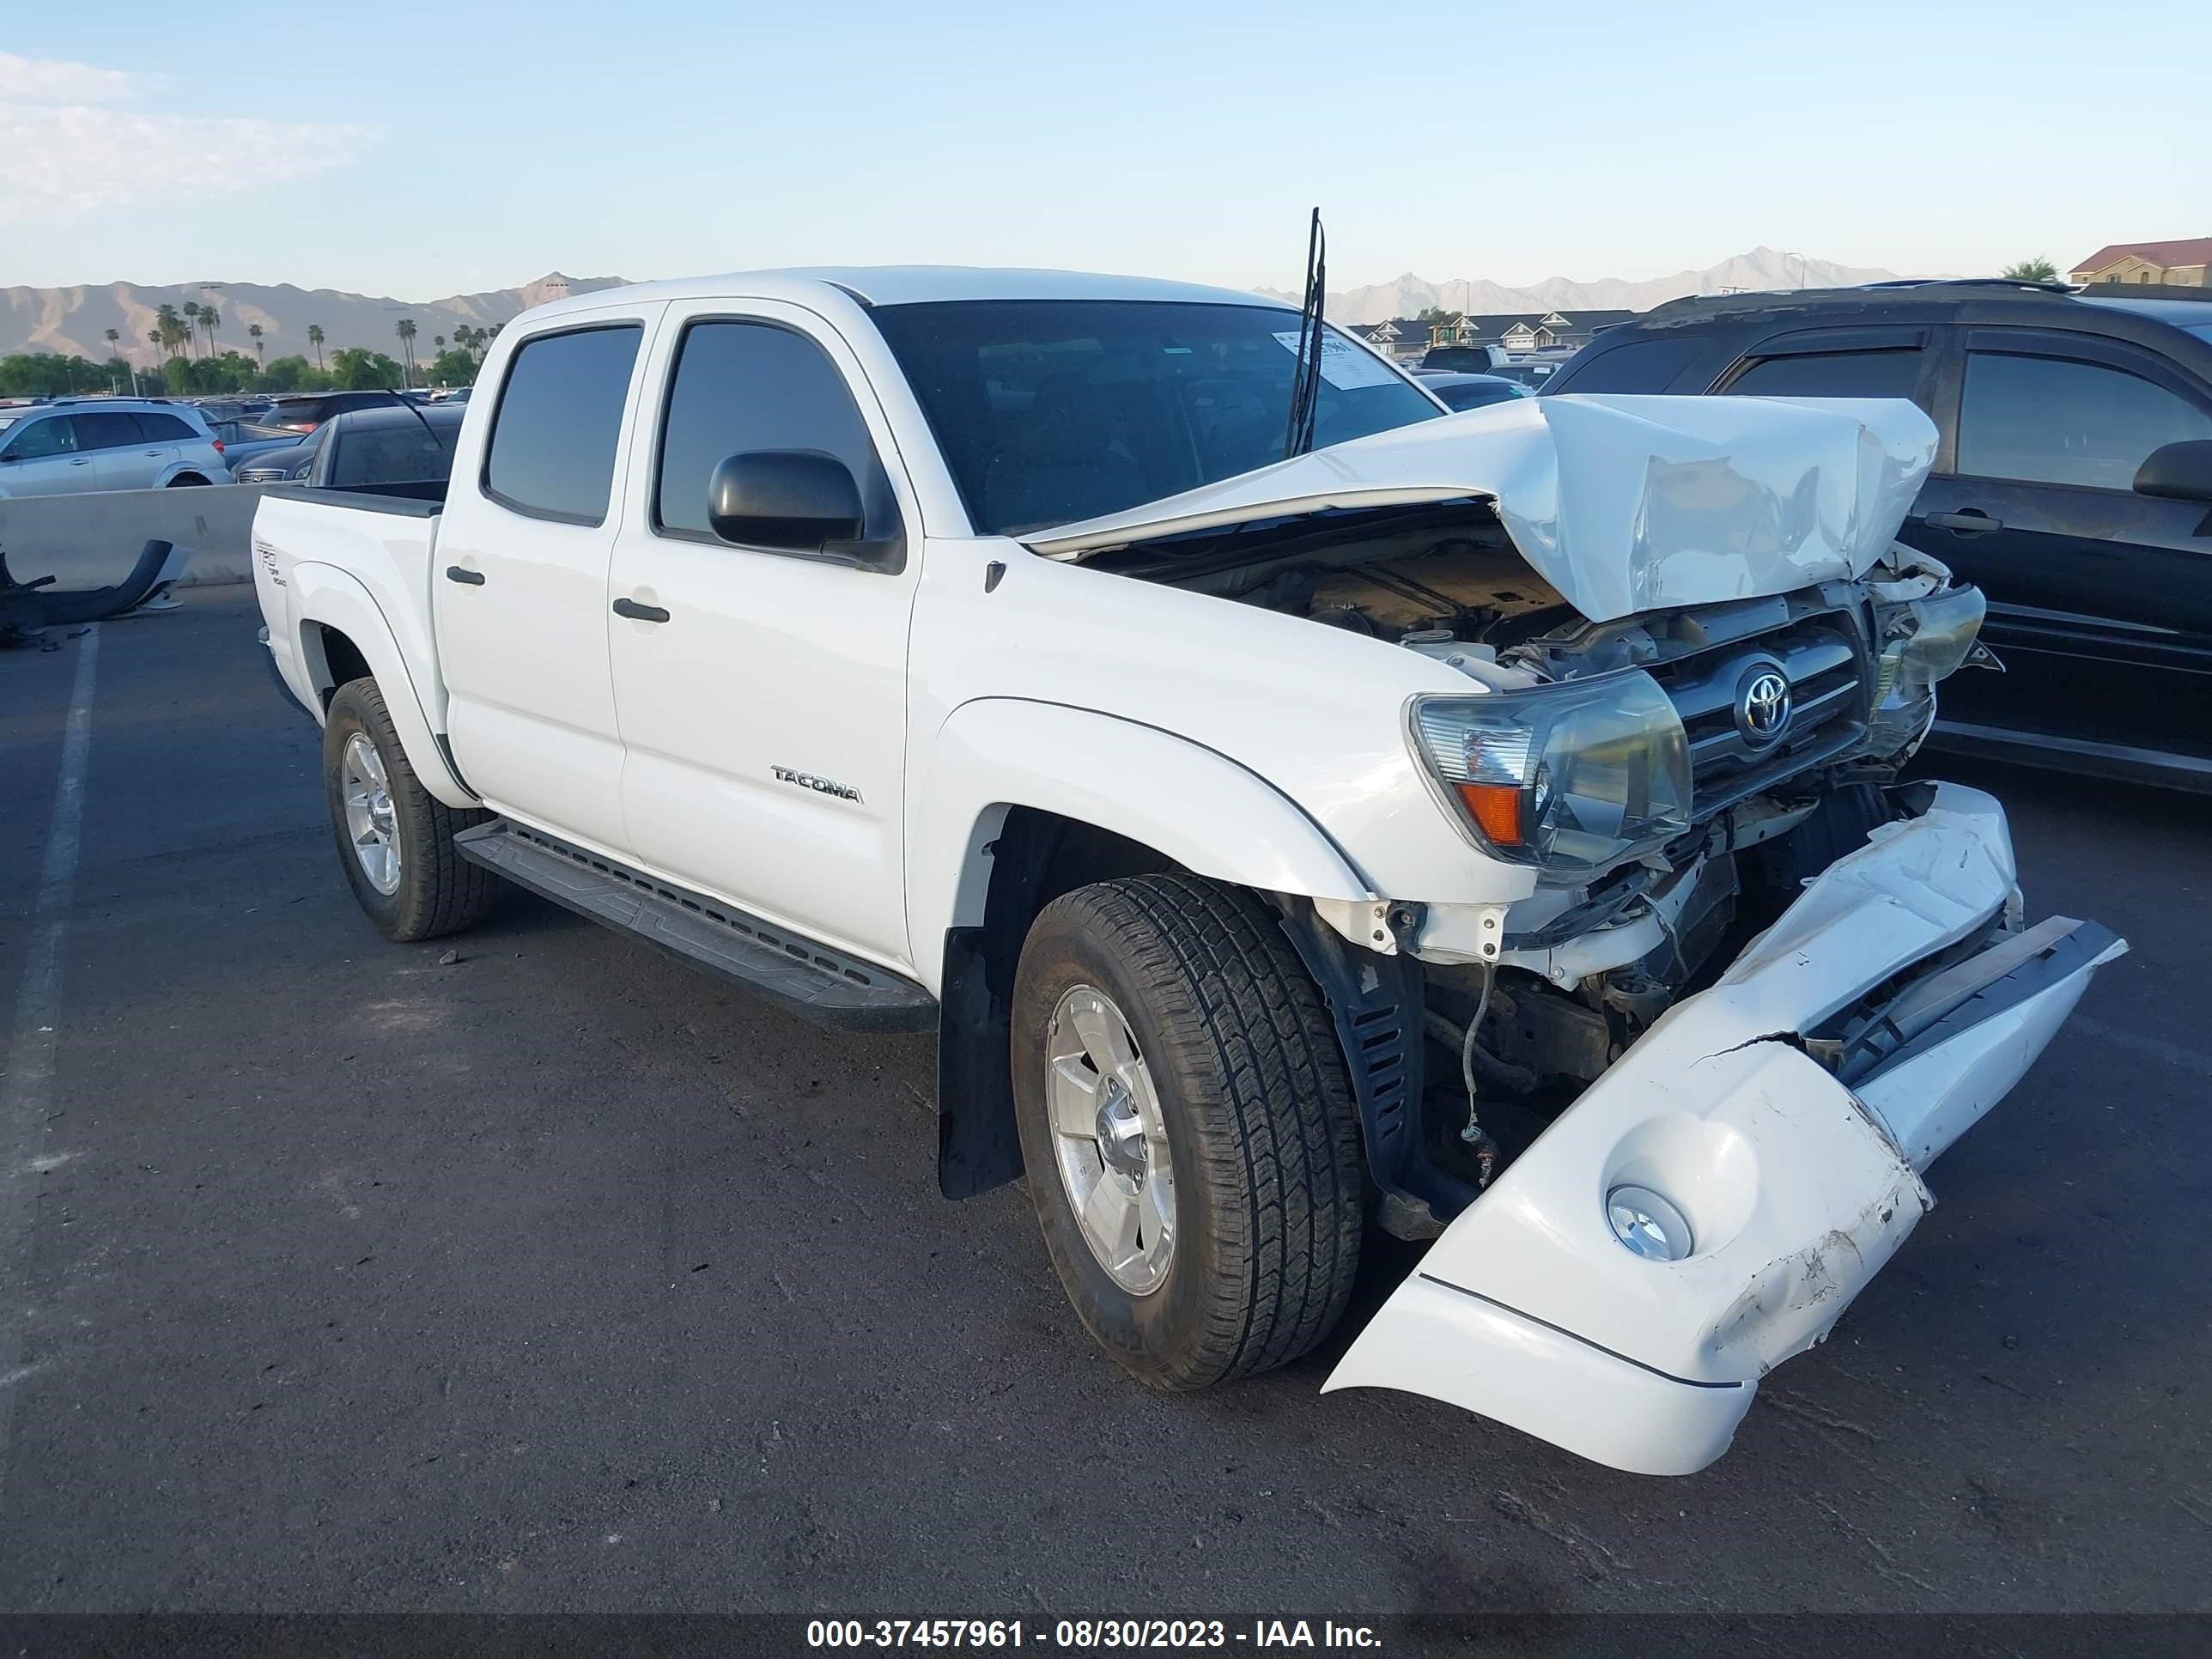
<point x="1794" y="1186"/>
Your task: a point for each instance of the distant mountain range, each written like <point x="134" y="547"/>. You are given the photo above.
<point x="76" y="319"/>
<point x="1761" y="269"/>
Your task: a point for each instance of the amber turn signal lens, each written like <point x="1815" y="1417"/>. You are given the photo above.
<point x="1497" y="809"/>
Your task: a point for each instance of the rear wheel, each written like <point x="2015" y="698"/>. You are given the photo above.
<point x="394" y="837"/>
<point x="1188" y="1129"/>
<point x="184" y="478"/>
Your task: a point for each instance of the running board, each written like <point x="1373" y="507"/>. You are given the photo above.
<point x="809" y="979"/>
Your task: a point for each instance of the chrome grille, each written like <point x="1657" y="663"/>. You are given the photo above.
<point x="1825" y="667"/>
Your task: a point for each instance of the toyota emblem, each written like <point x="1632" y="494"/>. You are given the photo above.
<point x="1762" y="708"/>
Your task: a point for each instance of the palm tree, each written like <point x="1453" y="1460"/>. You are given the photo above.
<point x="405" y="328"/>
<point x="315" y="339"/>
<point x="253" y="332"/>
<point x="209" y="318"/>
<point x="192" y="315"/>
<point x="2032" y="270"/>
<point x="114" y="336"/>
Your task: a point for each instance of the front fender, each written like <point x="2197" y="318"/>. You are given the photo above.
<point x="1198" y="807"/>
<point x="325" y="595"/>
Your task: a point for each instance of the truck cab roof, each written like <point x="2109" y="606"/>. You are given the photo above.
<point x="890" y="285"/>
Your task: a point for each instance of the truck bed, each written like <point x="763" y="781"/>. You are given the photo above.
<point x="362" y="561"/>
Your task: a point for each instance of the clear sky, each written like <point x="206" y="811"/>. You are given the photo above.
<point x="419" y="148"/>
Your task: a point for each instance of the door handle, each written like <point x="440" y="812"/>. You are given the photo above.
<point x="1969" y="523"/>
<point x="636" y="612"/>
<point x="467" y="578"/>
<point x="87" y="461"/>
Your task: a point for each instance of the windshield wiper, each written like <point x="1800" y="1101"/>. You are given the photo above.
<point x="1306" y="384"/>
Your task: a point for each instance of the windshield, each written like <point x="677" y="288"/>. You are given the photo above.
<point x="1051" y="411"/>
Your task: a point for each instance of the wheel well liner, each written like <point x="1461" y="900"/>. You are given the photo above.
<point x="1036" y="857"/>
<point x="340" y="660"/>
<point x="1375" y="1002"/>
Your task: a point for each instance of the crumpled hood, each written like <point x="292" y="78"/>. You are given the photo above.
<point x="1623" y="504"/>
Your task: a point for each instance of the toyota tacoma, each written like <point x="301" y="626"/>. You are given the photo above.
<point x="1298" y="809"/>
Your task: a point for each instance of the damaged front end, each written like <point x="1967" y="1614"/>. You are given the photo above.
<point x="1661" y="1083"/>
<point x="1713" y="1202"/>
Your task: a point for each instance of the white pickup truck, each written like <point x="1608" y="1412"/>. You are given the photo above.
<point x="1486" y="828"/>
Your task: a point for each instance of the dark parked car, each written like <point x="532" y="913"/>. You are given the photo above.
<point x="1461" y="392"/>
<point x="2073" y="484"/>
<point x="308" y="411"/>
<point x="243" y="443"/>
<point x="1456" y="359"/>
<point x="388" y="449"/>
<point x="291" y="464"/>
<point x="1536" y="376"/>
<point x="1531" y="372"/>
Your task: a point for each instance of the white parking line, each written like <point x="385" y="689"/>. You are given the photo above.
<point x="28" y="1084"/>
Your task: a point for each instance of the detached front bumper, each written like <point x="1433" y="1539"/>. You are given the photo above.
<point x="1786" y="1114"/>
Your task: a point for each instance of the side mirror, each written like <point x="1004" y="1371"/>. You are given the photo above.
<point x="796" y="501"/>
<point x="2180" y="472"/>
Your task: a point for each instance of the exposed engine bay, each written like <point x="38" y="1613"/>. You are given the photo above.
<point x="1780" y="724"/>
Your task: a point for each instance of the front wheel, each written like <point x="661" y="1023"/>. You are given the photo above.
<point x="395" y="837"/>
<point x="1188" y="1128"/>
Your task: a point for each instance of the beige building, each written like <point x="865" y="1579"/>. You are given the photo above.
<point x="2182" y="263"/>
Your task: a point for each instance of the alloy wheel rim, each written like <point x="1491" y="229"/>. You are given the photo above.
<point x="1109" y="1140"/>
<point x="372" y="824"/>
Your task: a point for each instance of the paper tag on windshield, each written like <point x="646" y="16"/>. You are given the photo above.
<point x="1343" y="364"/>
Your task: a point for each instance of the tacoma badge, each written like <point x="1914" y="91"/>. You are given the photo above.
<point x="820" y="786"/>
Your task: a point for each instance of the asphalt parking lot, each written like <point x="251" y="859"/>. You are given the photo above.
<point x="558" y="1276"/>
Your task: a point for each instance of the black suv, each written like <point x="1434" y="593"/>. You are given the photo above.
<point x="2073" y="484"/>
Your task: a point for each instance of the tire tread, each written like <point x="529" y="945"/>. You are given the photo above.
<point x="1224" y="980"/>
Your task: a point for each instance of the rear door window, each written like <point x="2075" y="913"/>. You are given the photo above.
<point x="1829" y="374"/>
<point x="2056" y="420"/>
<point x="559" y="419"/>
<point x="165" y="429"/>
<point x="108" y="431"/>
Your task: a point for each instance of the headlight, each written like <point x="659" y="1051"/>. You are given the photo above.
<point x="1570" y="777"/>
<point x="1647" y="1224"/>
<point x="1924" y="641"/>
